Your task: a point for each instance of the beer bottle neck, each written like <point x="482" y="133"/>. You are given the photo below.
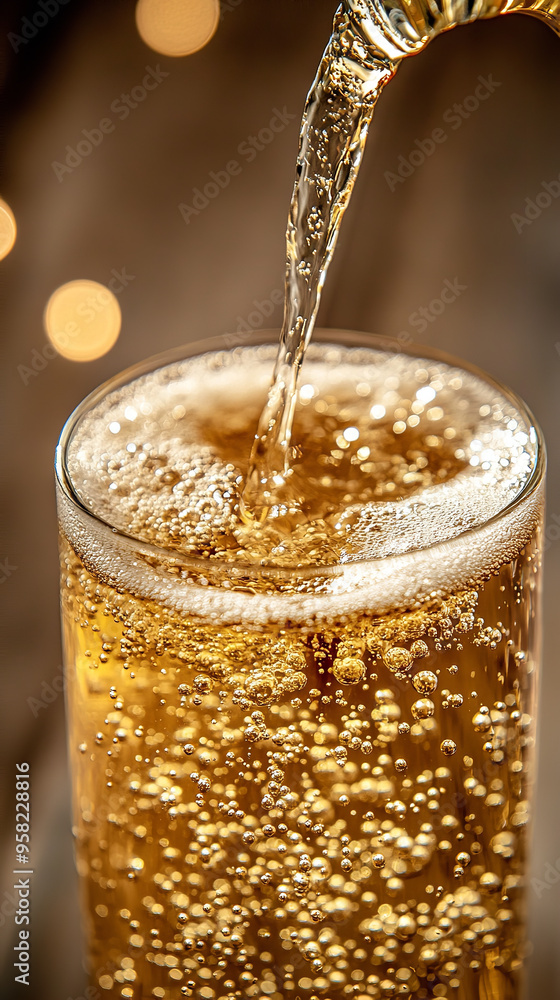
<point x="390" y="29"/>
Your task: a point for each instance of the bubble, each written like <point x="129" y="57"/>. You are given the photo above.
<point x="394" y="885"/>
<point x="384" y="696"/>
<point x="349" y="670"/>
<point x="401" y="764"/>
<point x="422" y="709"/>
<point x="340" y="754"/>
<point x="293" y="681"/>
<point x="203" y="684"/>
<point x="403" y="728"/>
<point x="378" y="861"/>
<point x="419" y="649"/>
<point x="490" y="883"/>
<point x="425" y="682"/>
<point x="448" y="747"/>
<point x="261" y="688"/>
<point x="504" y="844"/>
<point x="300" y="882"/>
<point x="406" y="926"/>
<point x="397" y="658"/>
<point x="481" y="722"/>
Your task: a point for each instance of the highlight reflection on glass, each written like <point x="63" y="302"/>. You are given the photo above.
<point x="82" y="320"/>
<point x="8" y="229"/>
<point x="177" y="27"/>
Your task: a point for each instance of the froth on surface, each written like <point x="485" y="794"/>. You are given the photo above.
<point x="395" y="455"/>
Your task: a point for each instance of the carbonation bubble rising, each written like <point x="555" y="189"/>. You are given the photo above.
<point x="302" y="750"/>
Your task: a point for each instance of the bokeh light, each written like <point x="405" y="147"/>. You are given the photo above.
<point x="177" y="27"/>
<point x="8" y="229"/>
<point x="82" y="320"/>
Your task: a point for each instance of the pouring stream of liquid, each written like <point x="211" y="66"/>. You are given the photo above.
<point x="368" y="42"/>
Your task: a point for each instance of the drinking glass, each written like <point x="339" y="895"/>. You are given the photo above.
<point x="302" y="775"/>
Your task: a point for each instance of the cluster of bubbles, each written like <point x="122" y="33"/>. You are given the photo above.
<point x="280" y="813"/>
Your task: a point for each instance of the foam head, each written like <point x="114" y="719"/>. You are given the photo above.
<point x="411" y="475"/>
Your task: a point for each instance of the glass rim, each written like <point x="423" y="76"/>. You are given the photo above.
<point x="280" y="574"/>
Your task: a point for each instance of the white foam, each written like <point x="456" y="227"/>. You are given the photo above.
<point x="448" y="536"/>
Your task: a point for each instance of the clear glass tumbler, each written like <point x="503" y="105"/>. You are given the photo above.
<point x="302" y="776"/>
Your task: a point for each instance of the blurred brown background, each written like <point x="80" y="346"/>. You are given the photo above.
<point x="451" y="219"/>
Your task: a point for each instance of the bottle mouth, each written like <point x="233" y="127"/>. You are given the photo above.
<point x="237" y="591"/>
